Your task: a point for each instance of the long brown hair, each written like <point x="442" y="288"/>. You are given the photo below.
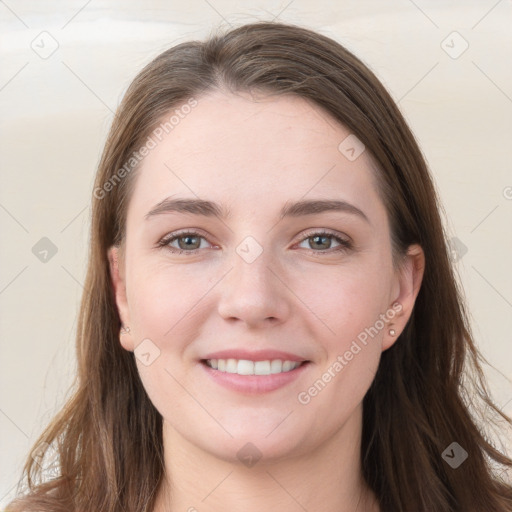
<point x="108" y="436"/>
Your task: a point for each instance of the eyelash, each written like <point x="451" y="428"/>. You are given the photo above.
<point x="344" y="246"/>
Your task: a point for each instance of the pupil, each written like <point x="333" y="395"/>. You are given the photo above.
<point x="317" y="239"/>
<point x="188" y="239"/>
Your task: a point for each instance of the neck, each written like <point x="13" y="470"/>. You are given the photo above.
<point x="326" y="480"/>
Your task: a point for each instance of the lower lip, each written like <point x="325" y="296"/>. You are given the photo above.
<point x="254" y="384"/>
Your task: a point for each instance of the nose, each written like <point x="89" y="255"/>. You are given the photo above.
<point x="255" y="293"/>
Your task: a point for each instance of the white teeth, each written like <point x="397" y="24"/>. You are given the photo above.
<point x="276" y="366"/>
<point x="262" y="368"/>
<point x="246" y="367"/>
<point x="231" y="366"/>
<point x="287" y="366"/>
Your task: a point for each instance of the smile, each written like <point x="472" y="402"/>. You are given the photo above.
<point x="253" y="377"/>
<point x="246" y="367"/>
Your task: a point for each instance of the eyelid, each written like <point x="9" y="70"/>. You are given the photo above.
<point x="170" y="237"/>
<point x="344" y="241"/>
<point x="325" y="231"/>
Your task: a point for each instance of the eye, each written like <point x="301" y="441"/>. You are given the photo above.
<point x="323" y="240"/>
<point x="191" y="241"/>
<point x="187" y="241"/>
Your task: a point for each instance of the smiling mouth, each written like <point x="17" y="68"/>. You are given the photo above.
<point x="247" y="367"/>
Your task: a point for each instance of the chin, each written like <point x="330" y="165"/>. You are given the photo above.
<point x="251" y="446"/>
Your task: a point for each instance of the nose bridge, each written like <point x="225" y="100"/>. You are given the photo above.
<point x="252" y="291"/>
<point x="253" y="266"/>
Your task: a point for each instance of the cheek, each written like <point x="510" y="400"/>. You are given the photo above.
<point x="350" y="311"/>
<point x="338" y="390"/>
<point x="351" y="338"/>
<point x="345" y="300"/>
<point x="163" y="300"/>
<point x="164" y="303"/>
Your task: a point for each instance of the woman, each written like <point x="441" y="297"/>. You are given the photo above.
<point x="271" y="320"/>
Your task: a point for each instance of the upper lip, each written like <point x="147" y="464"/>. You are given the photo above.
<point x="256" y="355"/>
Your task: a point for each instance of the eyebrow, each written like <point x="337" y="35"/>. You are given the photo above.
<point x="295" y="209"/>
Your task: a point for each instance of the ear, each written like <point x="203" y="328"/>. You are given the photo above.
<point x="116" y="263"/>
<point x="407" y="286"/>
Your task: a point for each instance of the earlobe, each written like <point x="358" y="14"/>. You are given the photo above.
<point x="119" y="288"/>
<point x="409" y="279"/>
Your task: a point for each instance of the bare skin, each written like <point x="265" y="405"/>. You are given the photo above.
<point x="305" y="294"/>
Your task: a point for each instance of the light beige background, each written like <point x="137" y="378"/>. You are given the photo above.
<point x="55" y="112"/>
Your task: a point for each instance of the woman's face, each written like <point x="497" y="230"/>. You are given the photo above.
<point x="315" y="287"/>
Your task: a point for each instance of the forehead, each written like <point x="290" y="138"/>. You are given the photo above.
<point x="251" y="150"/>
